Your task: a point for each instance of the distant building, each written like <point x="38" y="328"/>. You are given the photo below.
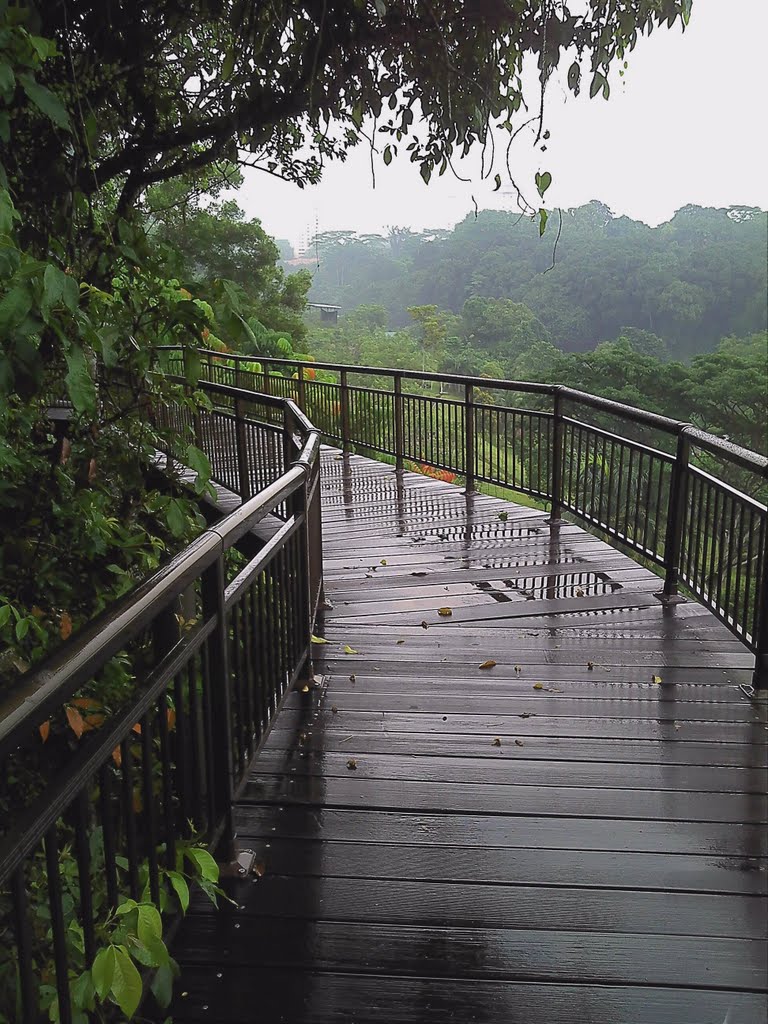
<point x="329" y="314"/>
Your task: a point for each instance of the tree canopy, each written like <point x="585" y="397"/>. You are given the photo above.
<point x="689" y="282"/>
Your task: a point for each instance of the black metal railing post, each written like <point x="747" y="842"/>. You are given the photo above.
<point x="344" y="398"/>
<point x="241" y="446"/>
<point x="556" y="455"/>
<point x="399" y="421"/>
<point x="219" y="683"/>
<point x="760" y="674"/>
<point x="678" y="489"/>
<point x="469" y="437"/>
<point x="302" y="389"/>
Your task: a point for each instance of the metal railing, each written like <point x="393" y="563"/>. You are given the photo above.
<point x="207" y="648"/>
<point x="683" y="500"/>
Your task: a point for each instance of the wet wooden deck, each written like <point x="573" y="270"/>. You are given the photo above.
<point x="558" y="838"/>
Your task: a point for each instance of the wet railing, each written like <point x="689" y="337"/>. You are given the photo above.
<point x="690" y="503"/>
<point x="205" y="651"/>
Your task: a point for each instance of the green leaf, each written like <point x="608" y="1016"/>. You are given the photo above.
<point x="543" y="217"/>
<point x="497" y="186"/>
<point x="5" y="614"/>
<point x="126" y="982"/>
<point x="204" y="862"/>
<point x="45" y="101"/>
<point x="387" y="155"/>
<point x="80" y="386"/>
<point x="7" y="81"/>
<point x="83" y="992"/>
<point x="180" y="887"/>
<point x="176" y="518"/>
<point x="150" y="926"/>
<point x="599" y="82"/>
<point x="192" y="365"/>
<point x="198" y="462"/>
<point x="574" y="76"/>
<point x="58" y="289"/>
<point x="14" y="307"/>
<point x="22" y="628"/>
<point x="228" y="66"/>
<point x="543" y="181"/>
<point x="426" y="173"/>
<point x="162" y="985"/>
<point x="103" y="971"/>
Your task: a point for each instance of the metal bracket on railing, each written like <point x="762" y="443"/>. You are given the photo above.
<point x="240" y="866"/>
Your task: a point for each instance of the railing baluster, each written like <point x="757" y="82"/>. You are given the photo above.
<point x="58" y="927"/>
<point x="24" y="949"/>
<point x="469" y="437"/>
<point x="676" y="515"/>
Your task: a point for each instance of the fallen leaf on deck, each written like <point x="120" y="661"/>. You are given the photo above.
<point x="352" y="764"/>
<point x="526" y="714"/>
<point x="518" y="668"/>
<point x="518" y="743"/>
<point x="401" y="641"/>
<point x="419" y="574"/>
<point x="579" y="592"/>
<point x="444" y="612"/>
<point x="503" y="516"/>
<point x="383" y="561"/>
<point x="656" y="679"/>
<point x="305" y="688"/>
<point x="496" y="742"/>
<point x="319" y="640"/>
<point x="259" y="869"/>
<point x="352" y="678"/>
<point x="334" y="710"/>
<point x="45" y="729"/>
<point x="424" y="625"/>
<point x="590" y="665"/>
<point x="538" y="686"/>
<point x="488" y="664"/>
<point x="350" y="650"/>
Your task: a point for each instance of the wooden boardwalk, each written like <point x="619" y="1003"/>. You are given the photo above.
<point x="575" y="835"/>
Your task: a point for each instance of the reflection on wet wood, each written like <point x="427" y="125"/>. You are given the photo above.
<point x="575" y="835"/>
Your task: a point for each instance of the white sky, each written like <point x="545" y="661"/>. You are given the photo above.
<point x="687" y="124"/>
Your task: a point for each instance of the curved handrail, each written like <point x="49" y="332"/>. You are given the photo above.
<point x="47" y="686"/>
<point x="651" y="497"/>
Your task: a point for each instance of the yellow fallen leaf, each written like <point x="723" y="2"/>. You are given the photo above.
<point x="538" y="686"/>
<point x="65" y="626"/>
<point x="352" y="764"/>
<point x="444" y="611"/>
<point x="75" y="720"/>
<point x="350" y="650"/>
<point x="319" y="640"/>
<point x="259" y="869"/>
<point x="656" y="679"/>
<point x="117" y="756"/>
<point x="45" y="730"/>
<point x="383" y="561"/>
<point x="488" y="664"/>
<point x="305" y="688"/>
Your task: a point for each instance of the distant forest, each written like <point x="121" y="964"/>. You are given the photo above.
<point x="687" y="283"/>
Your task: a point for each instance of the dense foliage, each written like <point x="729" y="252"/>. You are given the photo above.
<point x="690" y="282"/>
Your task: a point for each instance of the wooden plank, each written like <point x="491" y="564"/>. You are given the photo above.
<point x="508" y="954"/>
<point x="469" y="905"/>
<point x="504" y="799"/>
<point x="491" y="771"/>
<point x="285" y="995"/>
<point x="509" y="866"/>
<point x="544" y="748"/>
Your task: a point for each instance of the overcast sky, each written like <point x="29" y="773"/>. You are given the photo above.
<point x="685" y="125"/>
